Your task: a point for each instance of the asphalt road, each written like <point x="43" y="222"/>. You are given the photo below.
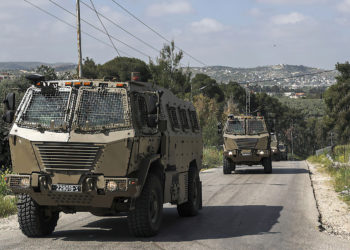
<point x="246" y="210"/>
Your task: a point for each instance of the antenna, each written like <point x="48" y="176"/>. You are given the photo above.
<point x="79" y="41"/>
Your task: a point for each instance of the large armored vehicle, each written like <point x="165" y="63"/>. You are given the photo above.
<point x="246" y="141"/>
<point x="104" y="147"/>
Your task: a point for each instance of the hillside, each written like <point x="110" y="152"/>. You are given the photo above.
<point x="227" y="74"/>
<point x="14" y="66"/>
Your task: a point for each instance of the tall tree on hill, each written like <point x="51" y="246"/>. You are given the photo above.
<point x="337" y="99"/>
<point x="168" y="73"/>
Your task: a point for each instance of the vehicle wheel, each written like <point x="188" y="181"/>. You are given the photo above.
<point x="267" y="163"/>
<point x="146" y="218"/>
<point x="228" y="166"/>
<point x="192" y="206"/>
<point x="35" y="220"/>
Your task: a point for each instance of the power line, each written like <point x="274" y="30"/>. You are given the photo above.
<point x="100" y="30"/>
<point x="285" y="78"/>
<point x="70" y="25"/>
<point x="156" y="32"/>
<point x="120" y="27"/>
<point x="109" y="37"/>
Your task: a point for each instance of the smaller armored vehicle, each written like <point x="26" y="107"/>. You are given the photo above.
<point x="103" y="147"/>
<point x="246" y="141"/>
<point x="275" y="152"/>
<point x="283" y="151"/>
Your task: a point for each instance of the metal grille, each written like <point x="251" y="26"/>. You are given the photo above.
<point x="194" y="121"/>
<point x="246" y="143"/>
<point x="46" y="109"/>
<point x="183" y="119"/>
<point x="141" y="104"/>
<point x="68" y="156"/>
<point x="255" y="126"/>
<point x="235" y="127"/>
<point x="71" y="199"/>
<point x="102" y="110"/>
<point x="173" y="117"/>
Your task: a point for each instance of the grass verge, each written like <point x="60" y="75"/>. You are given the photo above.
<point x="340" y="176"/>
<point x="7" y="203"/>
<point x="212" y="157"/>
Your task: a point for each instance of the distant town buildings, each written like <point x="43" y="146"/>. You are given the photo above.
<point x="6" y="76"/>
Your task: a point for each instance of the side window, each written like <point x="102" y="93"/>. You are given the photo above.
<point x="194" y="121"/>
<point x="173" y="118"/>
<point x="142" y="107"/>
<point x="183" y="119"/>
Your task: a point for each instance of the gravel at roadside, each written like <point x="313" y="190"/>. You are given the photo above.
<point x="334" y="213"/>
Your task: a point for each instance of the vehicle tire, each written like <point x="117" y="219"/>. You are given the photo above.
<point x="146" y="218"/>
<point x="267" y="163"/>
<point x="33" y="219"/>
<point x="227" y="166"/>
<point x="192" y="206"/>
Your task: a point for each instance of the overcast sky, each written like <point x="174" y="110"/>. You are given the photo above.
<point x="237" y="33"/>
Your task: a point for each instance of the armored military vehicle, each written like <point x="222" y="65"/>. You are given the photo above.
<point x="283" y="151"/>
<point x="275" y="152"/>
<point x="104" y="147"/>
<point x="246" y="141"/>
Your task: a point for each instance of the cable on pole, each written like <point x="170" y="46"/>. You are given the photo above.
<point x="104" y="27"/>
<point x="157" y="33"/>
<point x="72" y="26"/>
<point x="120" y="27"/>
<point x="100" y="30"/>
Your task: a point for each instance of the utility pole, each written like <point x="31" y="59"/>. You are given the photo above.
<point x="291" y="135"/>
<point x="79" y="41"/>
<point x="247" y="100"/>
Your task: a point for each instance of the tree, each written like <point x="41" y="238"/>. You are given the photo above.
<point x="47" y="71"/>
<point x="337" y="99"/>
<point x="121" y="68"/>
<point x="89" y="69"/>
<point x="167" y="71"/>
<point x="208" y="86"/>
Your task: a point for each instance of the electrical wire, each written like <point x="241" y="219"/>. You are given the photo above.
<point x="120" y="27"/>
<point x="100" y="30"/>
<point x="70" y="25"/>
<point x="285" y="78"/>
<point x="157" y="33"/>
<point x="104" y="27"/>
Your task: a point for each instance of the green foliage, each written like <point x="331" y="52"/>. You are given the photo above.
<point x="167" y="71"/>
<point x="4" y="190"/>
<point x="212" y="157"/>
<point x="210" y="132"/>
<point x="7" y="206"/>
<point x="308" y="107"/>
<point x="47" y="71"/>
<point x="337" y="99"/>
<point x="89" y="69"/>
<point x="208" y="86"/>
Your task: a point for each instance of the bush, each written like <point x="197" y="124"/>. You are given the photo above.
<point x="7" y="206"/>
<point x="212" y="157"/>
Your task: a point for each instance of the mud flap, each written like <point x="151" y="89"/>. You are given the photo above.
<point x="200" y="195"/>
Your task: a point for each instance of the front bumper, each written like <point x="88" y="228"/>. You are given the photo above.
<point x="94" y="191"/>
<point x="246" y="156"/>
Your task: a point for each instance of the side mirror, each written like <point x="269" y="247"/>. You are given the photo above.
<point x="162" y="125"/>
<point x="8" y="116"/>
<point x="219" y="128"/>
<point x="10" y="101"/>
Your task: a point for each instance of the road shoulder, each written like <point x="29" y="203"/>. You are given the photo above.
<point x="334" y="213"/>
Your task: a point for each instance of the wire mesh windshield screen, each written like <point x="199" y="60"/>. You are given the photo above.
<point x="255" y="126"/>
<point x="46" y="109"/>
<point x="102" y="109"/>
<point x="235" y="127"/>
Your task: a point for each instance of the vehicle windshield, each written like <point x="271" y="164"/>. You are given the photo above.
<point x="235" y="127"/>
<point x="45" y="110"/>
<point x="255" y="126"/>
<point x="102" y="109"/>
<point x="68" y="108"/>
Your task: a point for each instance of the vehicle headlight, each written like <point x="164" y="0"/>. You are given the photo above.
<point x="261" y="152"/>
<point x="25" y="183"/>
<point x="112" y="186"/>
<point x="230" y="153"/>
